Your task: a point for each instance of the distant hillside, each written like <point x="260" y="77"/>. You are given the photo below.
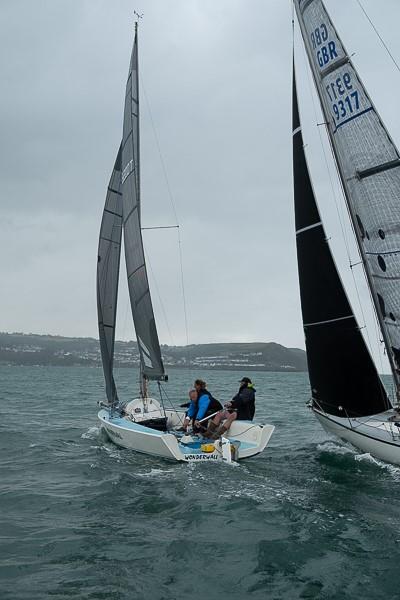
<point x="31" y="349"/>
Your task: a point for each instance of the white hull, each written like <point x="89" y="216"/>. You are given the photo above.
<point x="249" y="438"/>
<point x="376" y="434"/>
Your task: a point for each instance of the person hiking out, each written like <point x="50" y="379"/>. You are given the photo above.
<point x="241" y="408"/>
<point x="205" y="406"/>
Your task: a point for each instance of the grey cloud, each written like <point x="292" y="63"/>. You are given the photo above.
<point x="218" y="79"/>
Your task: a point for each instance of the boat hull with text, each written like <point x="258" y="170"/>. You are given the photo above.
<point x="246" y="438"/>
<point x="349" y="397"/>
<point x="144" y="424"/>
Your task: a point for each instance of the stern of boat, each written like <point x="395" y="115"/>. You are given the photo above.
<point x="377" y="435"/>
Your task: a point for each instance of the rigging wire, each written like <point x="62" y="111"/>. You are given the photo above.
<point x="379" y="36"/>
<point x="161" y="398"/>
<point x="127" y="300"/>
<point x="173" y="207"/>
<point x="163" y="390"/>
<point x="148" y="262"/>
<point x="127" y="303"/>
<point x="125" y="319"/>
<point x="292" y="9"/>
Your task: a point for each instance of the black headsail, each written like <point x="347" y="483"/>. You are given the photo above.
<point x="343" y="377"/>
<point x="142" y="310"/>
<point x="108" y="260"/>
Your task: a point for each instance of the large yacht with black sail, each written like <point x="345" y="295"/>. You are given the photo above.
<point x="347" y="393"/>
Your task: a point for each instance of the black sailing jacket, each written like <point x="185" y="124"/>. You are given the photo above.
<point x="244" y="402"/>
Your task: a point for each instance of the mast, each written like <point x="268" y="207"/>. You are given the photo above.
<point x="142" y="378"/>
<point x="368" y="165"/>
<point x="151" y="364"/>
<point x="138" y="115"/>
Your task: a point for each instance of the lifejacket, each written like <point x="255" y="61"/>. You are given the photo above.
<point x="244" y="403"/>
<point x="213" y="407"/>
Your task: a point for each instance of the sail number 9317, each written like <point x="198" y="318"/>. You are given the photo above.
<point x="343" y="97"/>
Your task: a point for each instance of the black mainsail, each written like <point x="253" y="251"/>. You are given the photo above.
<point x="368" y="163"/>
<point x="343" y="377"/>
<point x="108" y="261"/>
<point x="122" y="213"/>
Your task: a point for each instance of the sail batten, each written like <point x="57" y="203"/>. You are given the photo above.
<point x="378" y="168"/>
<point x="303" y="229"/>
<point x="328" y="321"/>
<point x="367" y="161"/>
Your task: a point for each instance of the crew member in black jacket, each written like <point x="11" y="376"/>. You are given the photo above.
<point x="241" y="407"/>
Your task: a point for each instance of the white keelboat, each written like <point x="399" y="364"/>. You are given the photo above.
<point x="347" y="394"/>
<point x="143" y="424"/>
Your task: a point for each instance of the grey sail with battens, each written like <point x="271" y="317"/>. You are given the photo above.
<point x="368" y="163"/>
<point x="108" y="261"/>
<point x="139" y="292"/>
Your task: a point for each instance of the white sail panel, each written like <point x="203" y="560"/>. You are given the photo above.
<point x="368" y="162"/>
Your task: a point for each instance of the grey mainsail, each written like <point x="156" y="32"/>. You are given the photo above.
<point x="139" y="293"/>
<point x="368" y="164"/>
<point x="108" y="260"/>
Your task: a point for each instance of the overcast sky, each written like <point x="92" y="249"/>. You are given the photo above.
<point x="217" y="76"/>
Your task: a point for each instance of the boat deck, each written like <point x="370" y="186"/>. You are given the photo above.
<point x="382" y="421"/>
<point x="128" y="424"/>
<point x="189" y="448"/>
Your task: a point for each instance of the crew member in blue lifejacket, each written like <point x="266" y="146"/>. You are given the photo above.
<point x="202" y="405"/>
<point x="192" y="409"/>
<point x="241" y="408"/>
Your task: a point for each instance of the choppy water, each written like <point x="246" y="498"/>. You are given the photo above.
<point x="83" y="519"/>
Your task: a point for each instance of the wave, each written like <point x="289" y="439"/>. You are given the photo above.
<point x="335" y="448"/>
<point x="91" y="433"/>
<point x="392" y="469"/>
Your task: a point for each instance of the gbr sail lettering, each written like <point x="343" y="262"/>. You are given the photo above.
<point x="325" y="50"/>
<point x="341" y="90"/>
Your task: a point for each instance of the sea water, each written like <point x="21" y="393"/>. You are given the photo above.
<point x="81" y="518"/>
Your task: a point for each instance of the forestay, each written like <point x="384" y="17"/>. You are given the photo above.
<point x="368" y="163"/>
<point x="142" y="310"/>
<point x="108" y="260"/>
